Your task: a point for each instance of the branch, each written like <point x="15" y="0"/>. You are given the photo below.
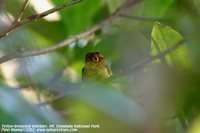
<point x="57" y="8"/>
<point x="86" y="33"/>
<point x="11" y="55"/>
<point x="21" y="12"/>
<point x="140" y="18"/>
<point x="17" y="23"/>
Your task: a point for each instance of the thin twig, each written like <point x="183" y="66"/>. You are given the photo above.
<point x="32" y="18"/>
<point x="140" y="18"/>
<point x="57" y="8"/>
<point x="86" y="33"/>
<point x="21" y="12"/>
<point x="11" y="55"/>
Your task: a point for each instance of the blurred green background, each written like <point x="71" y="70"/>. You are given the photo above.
<point x="160" y="95"/>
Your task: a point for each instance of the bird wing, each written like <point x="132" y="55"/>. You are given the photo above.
<point x="109" y="70"/>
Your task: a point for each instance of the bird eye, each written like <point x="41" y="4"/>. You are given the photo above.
<point x="95" y="59"/>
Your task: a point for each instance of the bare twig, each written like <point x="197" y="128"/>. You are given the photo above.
<point x="32" y="18"/>
<point x="21" y="12"/>
<point x="57" y="8"/>
<point x="11" y="55"/>
<point x="86" y="33"/>
<point x="140" y="18"/>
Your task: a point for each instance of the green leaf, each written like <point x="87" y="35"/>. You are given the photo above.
<point x="197" y="5"/>
<point x="195" y="127"/>
<point x="164" y="37"/>
<point x="113" y="4"/>
<point x="153" y="8"/>
<point x="104" y="98"/>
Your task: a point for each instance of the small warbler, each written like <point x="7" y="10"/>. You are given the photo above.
<point x="96" y="68"/>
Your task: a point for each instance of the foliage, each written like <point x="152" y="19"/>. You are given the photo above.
<point x="159" y="90"/>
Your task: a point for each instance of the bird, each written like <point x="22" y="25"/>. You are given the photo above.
<point x="95" y="68"/>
